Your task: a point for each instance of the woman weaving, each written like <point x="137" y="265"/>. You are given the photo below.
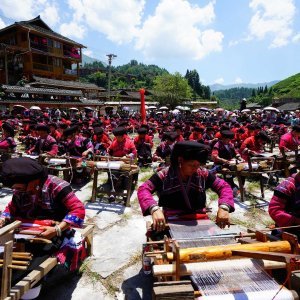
<point x="181" y="187"/>
<point x="47" y="200"/>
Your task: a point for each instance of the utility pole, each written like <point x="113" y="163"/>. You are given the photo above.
<point x="110" y="58"/>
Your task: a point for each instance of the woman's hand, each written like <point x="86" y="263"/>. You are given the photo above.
<point x="49" y="232"/>
<point x="222" y="218"/>
<point x="2" y="222"/>
<point x="159" y="221"/>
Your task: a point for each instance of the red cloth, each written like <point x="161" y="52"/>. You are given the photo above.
<point x="123" y="148"/>
<point x="143" y="108"/>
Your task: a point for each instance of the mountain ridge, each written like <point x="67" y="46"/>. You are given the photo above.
<point x="217" y="86"/>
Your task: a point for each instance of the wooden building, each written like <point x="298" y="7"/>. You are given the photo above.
<point x="32" y="48"/>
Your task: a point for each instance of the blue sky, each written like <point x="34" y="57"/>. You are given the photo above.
<point x="226" y="41"/>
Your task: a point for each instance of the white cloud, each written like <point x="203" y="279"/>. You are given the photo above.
<point x="117" y="20"/>
<point x="88" y="52"/>
<point x="219" y="80"/>
<point x="238" y="80"/>
<point x="272" y="18"/>
<point x="17" y="10"/>
<point x="296" y="38"/>
<point x="28" y="9"/>
<point x="50" y="15"/>
<point x="2" y="24"/>
<point x="72" y="29"/>
<point x="174" y="31"/>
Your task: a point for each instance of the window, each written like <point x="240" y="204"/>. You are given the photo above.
<point x="56" y="44"/>
<point x="50" y="43"/>
<point x="57" y="62"/>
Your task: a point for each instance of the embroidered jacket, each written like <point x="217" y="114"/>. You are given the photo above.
<point x="58" y="202"/>
<point x="284" y="206"/>
<point x="167" y="185"/>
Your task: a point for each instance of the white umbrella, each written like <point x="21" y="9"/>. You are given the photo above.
<point x="175" y="111"/>
<point x="152" y="107"/>
<point x="88" y="108"/>
<point x="73" y="108"/>
<point x="204" y="109"/>
<point x="163" y="108"/>
<point x="195" y="110"/>
<point x="270" y="108"/>
<point x="185" y="108"/>
<point x="246" y="110"/>
<point x="178" y="107"/>
<point x="35" y="108"/>
<point x="159" y="112"/>
<point x="19" y="106"/>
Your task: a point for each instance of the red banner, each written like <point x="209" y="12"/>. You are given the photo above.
<point x="143" y="108"/>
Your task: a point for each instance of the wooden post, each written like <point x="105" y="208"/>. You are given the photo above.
<point x="6" y="271"/>
<point x="95" y="183"/>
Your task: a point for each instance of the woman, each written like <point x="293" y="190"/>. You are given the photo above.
<point x="39" y="197"/>
<point x="284" y="207"/>
<point x="181" y="187"/>
<point x="7" y="143"/>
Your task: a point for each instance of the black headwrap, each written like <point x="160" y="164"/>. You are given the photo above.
<point x="189" y="150"/>
<point x="70" y="130"/>
<point x="22" y="170"/>
<point x="8" y="128"/>
<point x="119" y="131"/>
<point x="228" y="134"/>
<point x="142" y="130"/>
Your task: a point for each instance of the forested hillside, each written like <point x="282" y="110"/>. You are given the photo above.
<point x="175" y="88"/>
<point x="288" y="88"/>
<point x="132" y="75"/>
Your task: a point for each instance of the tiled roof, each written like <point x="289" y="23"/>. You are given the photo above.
<point x="290" y="106"/>
<point x="45" y="30"/>
<point x="65" y="83"/>
<point x="44" y="91"/>
<point x="253" y="105"/>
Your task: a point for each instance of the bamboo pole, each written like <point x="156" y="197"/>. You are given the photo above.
<point x="222" y="252"/>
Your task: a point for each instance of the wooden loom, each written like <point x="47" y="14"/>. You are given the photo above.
<point x="124" y="166"/>
<point x="13" y="259"/>
<point x="255" y="251"/>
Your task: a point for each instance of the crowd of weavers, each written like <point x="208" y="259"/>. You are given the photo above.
<point x="186" y="143"/>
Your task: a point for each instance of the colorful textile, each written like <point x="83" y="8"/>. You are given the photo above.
<point x="288" y="142"/>
<point x="72" y="252"/>
<point x="284" y="207"/>
<point x="58" y="202"/>
<point x="123" y="148"/>
<point x="8" y="144"/>
<point x="167" y="185"/>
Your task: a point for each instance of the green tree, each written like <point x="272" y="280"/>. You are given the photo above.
<point x="98" y="78"/>
<point x="193" y="79"/>
<point x="171" y="89"/>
